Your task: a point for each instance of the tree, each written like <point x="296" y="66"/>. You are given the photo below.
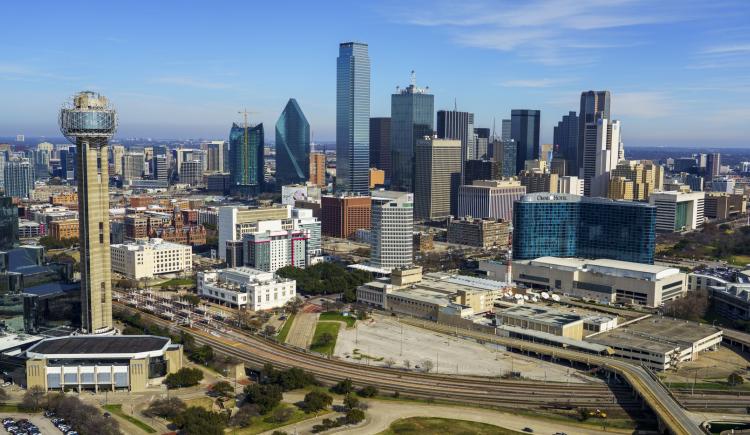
<point x="269" y="330"/>
<point x="202" y="355"/>
<point x="33" y="399"/>
<point x="198" y="421"/>
<point x="390" y="362"/>
<point x="282" y="414"/>
<point x="191" y="299"/>
<point x="167" y="408"/>
<point x="85" y="418"/>
<point x="316" y="401"/>
<point x="691" y="307"/>
<point x="343" y="387"/>
<point x="223" y="388"/>
<point x="264" y="396"/>
<point x="244" y="416"/>
<point x="184" y="377"/>
<point x="325" y="339"/>
<point x="354" y="416"/>
<point x="368" y="391"/>
<point x="351" y="401"/>
<point x="735" y="379"/>
<point x="427" y="365"/>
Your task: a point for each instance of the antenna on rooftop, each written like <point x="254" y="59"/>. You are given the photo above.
<point x="413" y="79"/>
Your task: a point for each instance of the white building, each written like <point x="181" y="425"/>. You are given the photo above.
<point x="601" y="152"/>
<point x="570" y="184"/>
<point x="236" y="221"/>
<point x="146" y="258"/>
<point x="678" y="211"/>
<point x="244" y="287"/>
<point x="392" y="228"/>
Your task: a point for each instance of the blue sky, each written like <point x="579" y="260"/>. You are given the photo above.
<point x="677" y="70"/>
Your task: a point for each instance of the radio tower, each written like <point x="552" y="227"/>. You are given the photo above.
<point x="89" y="121"/>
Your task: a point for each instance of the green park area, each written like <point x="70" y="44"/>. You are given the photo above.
<point x="440" y="426"/>
<point x="334" y="316"/>
<point x="324" y="340"/>
<point x="117" y="410"/>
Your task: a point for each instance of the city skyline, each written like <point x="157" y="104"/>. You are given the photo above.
<point x="662" y="63"/>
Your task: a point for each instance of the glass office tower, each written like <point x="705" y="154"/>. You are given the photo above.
<point x="246" y="159"/>
<point x="563" y="225"/>
<point x="292" y="146"/>
<point x="353" y="118"/>
<point x="8" y="224"/>
<point x="412" y="115"/>
<point x="524" y="129"/>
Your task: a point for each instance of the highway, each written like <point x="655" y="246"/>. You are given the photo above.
<point x="256" y="351"/>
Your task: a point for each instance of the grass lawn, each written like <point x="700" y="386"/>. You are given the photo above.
<point x="178" y="281"/>
<point x="11" y="408"/>
<point x="440" y="426"/>
<point x="202" y="402"/>
<point x="320" y="329"/>
<point x="264" y="423"/>
<point x="338" y="317"/>
<point x="117" y="410"/>
<point x="739" y="260"/>
<point x="284" y="331"/>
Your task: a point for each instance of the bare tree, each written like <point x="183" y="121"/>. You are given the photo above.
<point x="389" y="362"/>
<point x="427" y="365"/>
<point x="407" y="364"/>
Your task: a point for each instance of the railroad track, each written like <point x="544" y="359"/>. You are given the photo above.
<point x="256" y="352"/>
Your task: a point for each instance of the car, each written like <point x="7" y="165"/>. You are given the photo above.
<point x="528" y="429"/>
<point x="72" y="432"/>
<point x="560" y="433"/>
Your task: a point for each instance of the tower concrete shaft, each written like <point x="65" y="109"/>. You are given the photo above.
<point x="93" y="206"/>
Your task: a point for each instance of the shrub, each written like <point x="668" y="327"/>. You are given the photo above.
<point x="197" y="420"/>
<point x="368" y="391"/>
<point x="265" y="397"/>
<point x="316" y="401"/>
<point x="343" y="387"/>
<point x="167" y="408"/>
<point x="184" y="377"/>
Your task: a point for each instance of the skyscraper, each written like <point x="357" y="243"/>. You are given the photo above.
<point x="353" y="118"/>
<point x="481" y="143"/>
<point x="214" y="152"/>
<point x="318" y="169"/>
<point x="117" y="152"/>
<point x="565" y="139"/>
<point x="601" y="153"/>
<point x="8" y="224"/>
<point x="525" y="131"/>
<point x="246" y="158"/>
<point x="292" y="146"/>
<point x="452" y="124"/>
<point x="380" y="145"/>
<point x="504" y="152"/>
<point x="132" y="166"/>
<point x="89" y="121"/>
<point x="438" y="177"/>
<point x="19" y="178"/>
<point x="161" y="168"/>
<point x="412" y="113"/>
<point x="392" y="229"/>
<point x="593" y="105"/>
<point x="713" y="165"/>
<point x="505" y="132"/>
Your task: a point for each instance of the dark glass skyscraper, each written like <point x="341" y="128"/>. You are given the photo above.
<point x="524" y="130"/>
<point x="593" y="104"/>
<point x="8" y="224"/>
<point x="452" y="124"/>
<point x="562" y="225"/>
<point x="353" y="118"/>
<point x="412" y="114"/>
<point x="380" y="145"/>
<point x="246" y="158"/>
<point x="565" y="139"/>
<point x="292" y="146"/>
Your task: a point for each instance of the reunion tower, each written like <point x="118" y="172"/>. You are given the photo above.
<point x="89" y="121"/>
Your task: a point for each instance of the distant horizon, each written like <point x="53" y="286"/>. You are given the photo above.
<point x="676" y="69"/>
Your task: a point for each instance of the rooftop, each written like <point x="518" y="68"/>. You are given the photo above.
<point x="606" y="267"/>
<point x="657" y="333"/>
<point x="91" y="345"/>
<point x="541" y="314"/>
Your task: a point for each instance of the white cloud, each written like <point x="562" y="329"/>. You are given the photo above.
<point x="643" y="105"/>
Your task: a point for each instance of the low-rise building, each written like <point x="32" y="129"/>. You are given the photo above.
<point x="67" y="229"/>
<point x="660" y="343"/>
<point x="245" y="287"/>
<point x="410" y="293"/>
<point x="678" y="211"/>
<point x="30" y="229"/>
<point x="145" y="259"/>
<point x="482" y="233"/>
<point x="604" y="281"/>
<point x="91" y="362"/>
<point x="544" y="319"/>
<point x="724" y="205"/>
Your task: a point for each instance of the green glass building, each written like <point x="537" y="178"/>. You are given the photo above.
<point x="246" y="159"/>
<point x="292" y="146"/>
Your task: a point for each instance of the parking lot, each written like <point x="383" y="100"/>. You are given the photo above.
<point x="45" y="425"/>
<point x="380" y="339"/>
